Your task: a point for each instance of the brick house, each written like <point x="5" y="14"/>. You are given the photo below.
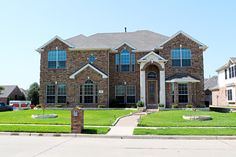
<point x="11" y="92"/>
<point x="224" y="94"/>
<point x="122" y="68"/>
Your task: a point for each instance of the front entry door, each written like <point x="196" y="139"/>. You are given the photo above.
<point x="152" y="92"/>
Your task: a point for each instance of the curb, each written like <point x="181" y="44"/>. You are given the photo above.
<point x="120" y="137"/>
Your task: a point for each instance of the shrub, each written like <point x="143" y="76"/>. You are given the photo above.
<point x="81" y="106"/>
<point x="174" y="106"/>
<point x="133" y="106"/>
<point x="189" y="106"/>
<point x="101" y="106"/>
<point x="201" y="106"/>
<point x="140" y="103"/>
<point x="161" y="105"/>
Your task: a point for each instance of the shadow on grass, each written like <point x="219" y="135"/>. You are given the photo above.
<point x="89" y="131"/>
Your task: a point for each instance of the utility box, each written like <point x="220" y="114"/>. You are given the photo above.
<point x="77" y="120"/>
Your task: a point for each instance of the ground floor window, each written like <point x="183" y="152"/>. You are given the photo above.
<point x="183" y="93"/>
<point x="88" y="92"/>
<point x="125" y="94"/>
<point x="131" y="92"/>
<point x="56" y="93"/>
<point x="120" y="93"/>
<point x="230" y="95"/>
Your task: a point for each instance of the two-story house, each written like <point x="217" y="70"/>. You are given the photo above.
<point x="224" y="94"/>
<point x="122" y="68"/>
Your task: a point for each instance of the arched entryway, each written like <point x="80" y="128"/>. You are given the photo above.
<point x="152" y="86"/>
<point x="152" y="79"/>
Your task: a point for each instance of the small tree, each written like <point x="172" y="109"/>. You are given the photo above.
<point x="33" y="93"/>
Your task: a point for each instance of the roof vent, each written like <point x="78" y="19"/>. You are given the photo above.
<point x="125" y="29"/>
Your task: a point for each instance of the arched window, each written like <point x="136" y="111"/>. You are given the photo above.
<point x="88" y="92"/>
<point x="152" y="75"/>
<point x="125" y="60"/>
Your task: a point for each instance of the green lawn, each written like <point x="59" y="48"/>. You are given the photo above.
<point x="51" y="129"/>
<point x="174" y="118"/>
<point x="187" y="131"/>
<point x="92" y="117"/>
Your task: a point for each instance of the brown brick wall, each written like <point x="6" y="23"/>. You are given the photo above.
<point x="75" y="60"/>
<point x="106" y="62"/>
<point x="196" y="70"/>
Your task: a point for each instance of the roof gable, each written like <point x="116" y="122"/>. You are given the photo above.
<point x="152" y="56"/>
<point x="40" y="49"/>
<point x="201" y="45"/>
<point x="232" y="60"/>
<point x="90" y="66"/>
<point x="7" y="90"/>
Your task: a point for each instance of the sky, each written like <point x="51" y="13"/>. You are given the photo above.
<point x="26" y="25"/>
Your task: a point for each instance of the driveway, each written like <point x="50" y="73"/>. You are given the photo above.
<point x="34" y="146"/>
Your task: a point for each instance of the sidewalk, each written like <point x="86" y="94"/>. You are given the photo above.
<point x="125" y="126"/>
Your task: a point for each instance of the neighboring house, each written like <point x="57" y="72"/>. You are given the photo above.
<point x="225" y="92"/>
<point x="11" y="92"/>
<point x="209" y="84"/>
<point x="122" y="68"/>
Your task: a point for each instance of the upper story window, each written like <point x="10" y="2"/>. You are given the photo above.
<point x="226" y="76"/>
<point x="125" y="61"/>
<point x="92" y="59"/>
<point x="57" y="59"/>
<point x="181" y="57"/>
<point x="232" y="72"/>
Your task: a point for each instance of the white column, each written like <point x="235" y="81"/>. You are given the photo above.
<point x="142" y="86"/>
<point x="162" y="88"/>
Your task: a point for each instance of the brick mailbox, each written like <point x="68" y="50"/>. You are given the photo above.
<point x="77" y="120"/>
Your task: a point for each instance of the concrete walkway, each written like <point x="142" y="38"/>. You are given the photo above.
<point x="125" y="126"/>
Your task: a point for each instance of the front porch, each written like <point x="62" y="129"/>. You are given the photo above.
<point x="152" y="80"/>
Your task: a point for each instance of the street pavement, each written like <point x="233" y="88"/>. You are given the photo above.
<point x="47" y="146"/>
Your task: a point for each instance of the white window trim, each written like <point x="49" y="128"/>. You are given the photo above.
<point x="183" y="94"/>
<point x="233" y="94"/>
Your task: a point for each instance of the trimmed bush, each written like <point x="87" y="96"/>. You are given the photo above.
<point x="140" y="103"/>
<point x="201" y="106"/>
<point x="174" y="106"/>
<point x="189" y="106"/>
<point x="101" y="106"/>
<point x="161" y="105"/>
<point x="59" y="106"/>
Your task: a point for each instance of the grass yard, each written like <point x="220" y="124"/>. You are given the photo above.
<point x="187" y="131"/>
<point x="174" y="118"/>
<point x="91" y="117"/>
<point x="51" y="129"/>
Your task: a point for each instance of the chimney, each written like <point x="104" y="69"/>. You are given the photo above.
<point x="125" y="29"/>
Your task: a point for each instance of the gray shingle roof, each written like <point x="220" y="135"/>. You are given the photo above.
<point x="7" y="90"/>
<point x="233" y="59"/>
<point x="142" y="40"/>
<point x="211" y="83"/>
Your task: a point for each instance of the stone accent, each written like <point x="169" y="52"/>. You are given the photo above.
<point x="77" y="120"/>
